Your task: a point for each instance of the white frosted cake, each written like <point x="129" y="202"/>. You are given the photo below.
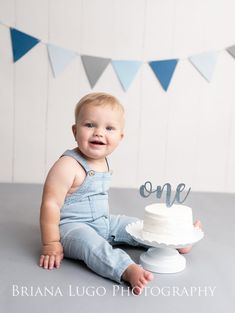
<point x="167" y="224"/>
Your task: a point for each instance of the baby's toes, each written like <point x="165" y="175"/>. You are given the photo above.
<point x="137" y="290"/>
<point x="198" y="224"/>
<point x="185" y="250"/>
<point x="143" y="280"/>
<point x="148" y="276"/>
<point x="139" y="287"/>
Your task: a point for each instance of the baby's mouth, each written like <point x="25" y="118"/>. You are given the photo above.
<point x="97" y="142"/>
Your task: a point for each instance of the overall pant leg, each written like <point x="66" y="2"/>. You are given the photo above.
<point x="82" y="242"/>
<point x="118" y="231"/>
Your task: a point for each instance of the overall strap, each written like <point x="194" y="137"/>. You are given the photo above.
<point x="74" y="154"/>
<point x="107" y="164"/>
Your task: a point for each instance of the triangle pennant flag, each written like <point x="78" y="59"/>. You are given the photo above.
<point x="231" y="50"/>
<point x="205" y="63"/>
<point x="59" y="58"/>
<point x="126" y="71"/>
<point x="21" y="43"/>
<point x="164" y="71"/>
<point x="94" y="67"/>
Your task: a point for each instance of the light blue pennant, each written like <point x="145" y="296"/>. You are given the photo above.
<point x="94" y="67"/>
<point x="205" y="63"/>
<point x="59" y="58"/>
<point x="126" y="71"/>
<point x="21" y="43"/>
<point x="164" y="71"/>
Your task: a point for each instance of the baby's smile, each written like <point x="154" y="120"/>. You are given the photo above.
<point x="97" y="142"/>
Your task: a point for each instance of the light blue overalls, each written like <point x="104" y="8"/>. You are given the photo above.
<point x="87" y="230"/>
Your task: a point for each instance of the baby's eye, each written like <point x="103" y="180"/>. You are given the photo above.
<point x="89" y="125"/>
<point x="110" y="128"/>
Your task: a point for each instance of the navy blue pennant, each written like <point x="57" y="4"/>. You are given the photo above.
<point x="21" y="43"/>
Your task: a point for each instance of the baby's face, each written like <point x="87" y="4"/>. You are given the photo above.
<point x="98" y="130"/>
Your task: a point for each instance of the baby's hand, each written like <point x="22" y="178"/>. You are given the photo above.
<point x="52" y="255"/>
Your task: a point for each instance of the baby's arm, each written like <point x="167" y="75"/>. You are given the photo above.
<point x="59" y="180"/>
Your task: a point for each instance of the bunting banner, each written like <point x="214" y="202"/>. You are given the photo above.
<point x="164" y="71"/>
<point x="59" y="58"/>
<point x="125" y="70"/>
<point x="94" y="67"/>
<point x="205" y="63"/>
<point x="21" y="43"/>
<point x="231" y="50"/>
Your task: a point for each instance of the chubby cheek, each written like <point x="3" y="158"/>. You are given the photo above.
<point x="83" y="134"/>
<point x="114" y="142"/>
<point x="80" y="140"/>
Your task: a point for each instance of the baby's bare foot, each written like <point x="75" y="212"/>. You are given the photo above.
<point x="185" y="250"/>
<point x="137" y="277"/>
<point x="197" y="224"/>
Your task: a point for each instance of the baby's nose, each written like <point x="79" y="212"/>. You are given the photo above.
<point x="99" y="132"/>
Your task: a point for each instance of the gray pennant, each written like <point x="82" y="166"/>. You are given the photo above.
<point x="94" y="67"/>
<point x="231" y="50"/>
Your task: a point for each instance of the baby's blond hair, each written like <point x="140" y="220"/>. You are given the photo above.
<point x="98" y="98"/>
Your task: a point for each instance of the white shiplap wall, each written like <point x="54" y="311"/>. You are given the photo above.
<point x="186" y="134"/>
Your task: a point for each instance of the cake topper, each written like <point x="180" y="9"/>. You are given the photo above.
<point x="146" y="190"/>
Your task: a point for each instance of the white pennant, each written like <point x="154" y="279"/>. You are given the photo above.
<point x="205" y="63"/>
<point x="59" y="58"/>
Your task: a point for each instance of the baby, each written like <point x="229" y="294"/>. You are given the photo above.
<point x="75" y="220"/>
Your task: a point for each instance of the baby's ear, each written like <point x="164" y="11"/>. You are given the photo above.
<point x="122" y="135"/>
<point x="74" y="129"/>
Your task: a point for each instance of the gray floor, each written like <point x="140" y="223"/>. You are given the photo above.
<point x="206" y="285"/>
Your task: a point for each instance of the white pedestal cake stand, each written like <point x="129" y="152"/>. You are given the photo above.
<point x="163" y="256"/>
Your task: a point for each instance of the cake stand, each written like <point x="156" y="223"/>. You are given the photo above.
<point x="163" y="256"/>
